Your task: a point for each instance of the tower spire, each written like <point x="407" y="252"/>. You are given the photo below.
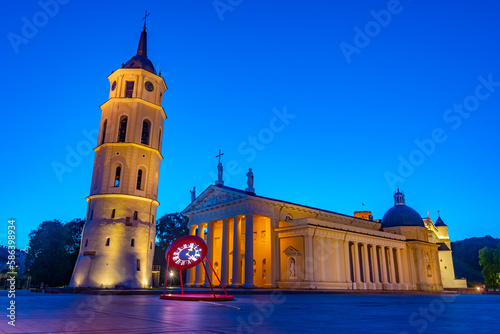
<point x="142" y="49"/>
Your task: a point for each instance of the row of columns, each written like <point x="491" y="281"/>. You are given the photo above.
<point x="377" y="260"/>
<point x="196" y="276"/>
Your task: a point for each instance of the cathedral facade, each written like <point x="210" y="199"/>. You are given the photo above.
<point x="255" y="241"/>
<point x="118" y="239"/>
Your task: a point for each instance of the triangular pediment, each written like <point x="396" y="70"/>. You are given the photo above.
<point x="213" y="196"/>
<point x="291" y="250"/>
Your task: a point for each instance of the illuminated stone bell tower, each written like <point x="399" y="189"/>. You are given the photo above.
<point x="118" y="238"/>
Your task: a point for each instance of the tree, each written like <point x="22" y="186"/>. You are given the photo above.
<point x="168" y="228"/>
<point x="489" y="259"/>
<point x="52" y="251"/>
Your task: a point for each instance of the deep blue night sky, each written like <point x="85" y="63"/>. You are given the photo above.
<point x="412" y="101"/>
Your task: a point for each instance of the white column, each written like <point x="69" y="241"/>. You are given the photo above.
<point x="336" y="248"/>
<point x="275" y="255"/>
<point x="356" y="265"/>
<point x="322" y="258"/>
<point x="224" y="269"/>
<point x="366" y="265"/>
<point x="249" y="252"/>
<point x="391" y="266"/>
<point x="200" y="272"/>
<point x="210" y="250"/>
<point x="308" y="258"/>
<point x="383" y="260"/>
<point x="347" y="262"/>
<point x="375" y="269"/>
<point x="190" y="273"/>
<point x="236" y="253"/>
<point x="400" y="266"/>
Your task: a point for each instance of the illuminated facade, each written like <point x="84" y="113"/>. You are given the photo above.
<point x="118" y="238"/>
<point x="438" y="233"/>
<point x="254" y="241"/>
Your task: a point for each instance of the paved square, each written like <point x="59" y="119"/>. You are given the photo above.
<point x="275" y="313"/>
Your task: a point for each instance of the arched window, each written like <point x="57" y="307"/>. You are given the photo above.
<point x="146" y="127"/>
<point x="159" y="141"/>
<point x="107" y="241"/>
<point x="132" y="243"/>
<point x="86" y="242"/>
<point x="122" y="133"/>
<point x="113" y="213"/>
<point x="139" y="179"/>
<point x="138" y="265"/>
<point x="129" y="88"/>
<point x="117" y="176"/>
<point x="104" y="131"/>
<point x="136" y="213"/>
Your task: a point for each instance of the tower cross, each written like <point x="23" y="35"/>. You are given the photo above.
<point x="146" y="14"/>
<point x="220" y="154"/>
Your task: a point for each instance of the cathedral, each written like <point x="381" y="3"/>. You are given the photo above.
<point x="253" y="241"/>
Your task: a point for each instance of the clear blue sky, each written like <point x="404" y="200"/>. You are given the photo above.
<point x="360" y="102"/>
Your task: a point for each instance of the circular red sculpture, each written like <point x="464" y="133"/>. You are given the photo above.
<point x="186" y="252"/>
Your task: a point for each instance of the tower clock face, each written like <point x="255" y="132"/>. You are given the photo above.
<point x="149" y="86"/>
<point x="186" y="252"/>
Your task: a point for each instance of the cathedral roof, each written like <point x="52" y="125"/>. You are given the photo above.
<point x="401" y="214"/>
<point x="440" y="222"/>
<point x="140" y="60"/>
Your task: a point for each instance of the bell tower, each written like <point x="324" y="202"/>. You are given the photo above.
<point x="118" y="238"/>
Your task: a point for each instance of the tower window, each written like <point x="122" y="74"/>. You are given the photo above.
<point x="138" y="265"/>
<point x="122" y="133"/>
<point x="132" y="243"/>
<point x="127" y="221"/>
<point x="113" y="213"/>
<point x="150" y="245"/>
<point x="135" y="215"/>
<point x="117" y="176"/>
<point x="107" y="241"/>
<point x="146" y="127"/>
<point x="153" y="220"/>
<point x="86" y="242"/>
<point x="91" y="214"/>
<point x="129" y="88"/>
<point x="104" y="131"/>
<point x="139" y="180"/>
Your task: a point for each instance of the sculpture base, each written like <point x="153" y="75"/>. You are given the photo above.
<point x="197" y="297"/>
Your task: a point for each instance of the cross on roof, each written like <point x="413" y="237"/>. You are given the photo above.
<point x="220" y="154"/>
<point x="145" y="17"/>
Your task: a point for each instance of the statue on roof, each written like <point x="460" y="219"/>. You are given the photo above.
<point x="250" y="181"/>
<point x="193" y="194"/>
